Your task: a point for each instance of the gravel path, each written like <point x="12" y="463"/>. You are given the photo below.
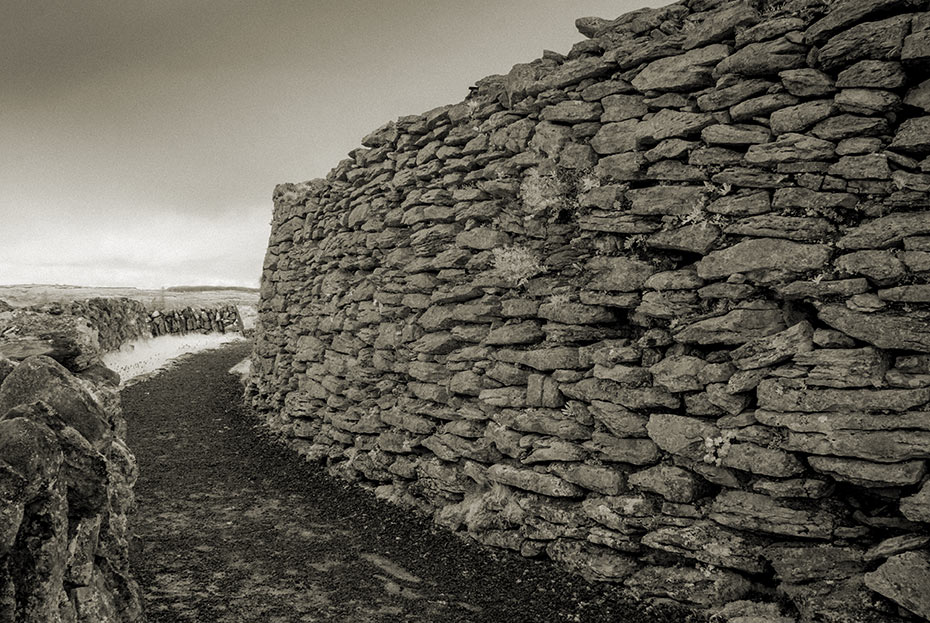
<point x="233" y="527"/>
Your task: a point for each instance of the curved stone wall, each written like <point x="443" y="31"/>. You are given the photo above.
<point x="121" y="320"/>
<point x="657" y="309"/>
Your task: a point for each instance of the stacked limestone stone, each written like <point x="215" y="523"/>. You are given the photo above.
<point x="657" y="309"/>
<point x="119" y="320"/>
<point x="189" y="319"/>
<point x="66" y="480"/>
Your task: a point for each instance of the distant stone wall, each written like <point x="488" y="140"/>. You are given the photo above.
<point x="66" y="479"/>
<point x="657" y="309"/>
<point x="121" y="320"/>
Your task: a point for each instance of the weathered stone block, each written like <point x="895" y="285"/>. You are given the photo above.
<point x="525" y="332"/>
<point x="615" y="138"/>
<point x="754" y="512"/>
<point x="630" y="397"/>
<point x="807" y="82"/>
<point x="904" y="579"/>
<point x="618" y="420"/>
<point x="801" y="116"/>
<point x="680" y="435"/>
<point x="795" y="395"/>
<point x="622" y="167"/>
<point x="868" y="474"/>
<point x="725" y="97"/>
<point x="775" y="348"/>
<point x="797" y="563"/>
<point x="844" y="367"/>
<point x="530" y="480"/>
<point x="679" y="373"/>
<point x="790" y="147"/>
<point x="873" y="75"/>
<point x="672" y="483"/>
<point x="736" y="327"/>
<point x="869" y="166"/>
<point x="763" y="59"/>
<point x="40" y="378"/>
<point x="622" y="450"/>
<point x="878" y="40"/>
<point x="604" y="480"/>
<point x="913" y="136"/>
<point x="617" y="274"/>
<point x="886" y="231"/>
<point x="867" y="101"/>
<point x="763" y="254"/>
<point x="684" y="72"/>
<point x="917" y="507"/>
<point x="572" y="111"/>
<point x="707" y="542"/>
<point x="884" y="330"/>
<point x="688" y="585"/>
<point x="545" y="359"/>
<point x="756" y="459"/>
<point x="592" y="561"/>
<point x="669" y="123"/>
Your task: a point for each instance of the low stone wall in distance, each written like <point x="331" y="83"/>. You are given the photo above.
<point x="656" y="309"/>
<point x="120" y="320"/>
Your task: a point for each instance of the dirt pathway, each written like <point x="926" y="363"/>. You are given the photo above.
<point x="236" y="528"/>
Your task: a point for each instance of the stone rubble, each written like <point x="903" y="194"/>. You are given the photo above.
<point x="666" y="296"/>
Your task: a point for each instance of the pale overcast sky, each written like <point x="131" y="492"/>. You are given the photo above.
<point x="140" y="140"/>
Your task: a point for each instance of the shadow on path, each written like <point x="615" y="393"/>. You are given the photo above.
<point x="234" y="527"/>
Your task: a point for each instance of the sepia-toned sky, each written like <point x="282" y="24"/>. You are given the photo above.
<point x="140" y="140"/>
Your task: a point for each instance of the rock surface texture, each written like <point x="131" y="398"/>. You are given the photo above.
<point x="656" y="309"/>
<point x="66" y="479"/>
<point x="66" y="474"/>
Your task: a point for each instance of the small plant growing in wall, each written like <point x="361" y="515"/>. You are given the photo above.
<point x="588" y="182"/>
<point x="574" y="410"/>
<point x="516" y="264"/>
<point x="635" y="243"/>
<point x="541" y="192"/>
<point x="713" y="190"/>
<point x="717" y="447"/>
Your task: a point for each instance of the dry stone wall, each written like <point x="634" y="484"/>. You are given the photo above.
<point x="66" y="478"/>
<point x="77" y="332"/>
<point x="120" y="320"/>
<point x="656" y="309"/>
<point x="66" y="474"/>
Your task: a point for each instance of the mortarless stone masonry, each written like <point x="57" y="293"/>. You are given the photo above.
<point x="66" y="474"/>
<point x="657" y="309"/>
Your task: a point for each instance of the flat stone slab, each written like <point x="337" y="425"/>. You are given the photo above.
<point x="867" y="473"/>
<point x="764" y="254"/>
<point x="917" y="507"/>
<point x="736" y="327"/>
<point x="904" y="579"/>
<point x="756" y="512"/>
<point x="710" y="543"/>
<point x="887" y="230"/>
<point x="884" y="330"/>
<point x="795" y="395"/>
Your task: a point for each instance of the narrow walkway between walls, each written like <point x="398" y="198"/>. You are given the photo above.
<point x="234" y="528"/>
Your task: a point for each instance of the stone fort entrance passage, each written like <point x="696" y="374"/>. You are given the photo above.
<point x="233" y="528"/>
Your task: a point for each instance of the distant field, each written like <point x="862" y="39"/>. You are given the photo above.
<point x="168" y="298"/>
